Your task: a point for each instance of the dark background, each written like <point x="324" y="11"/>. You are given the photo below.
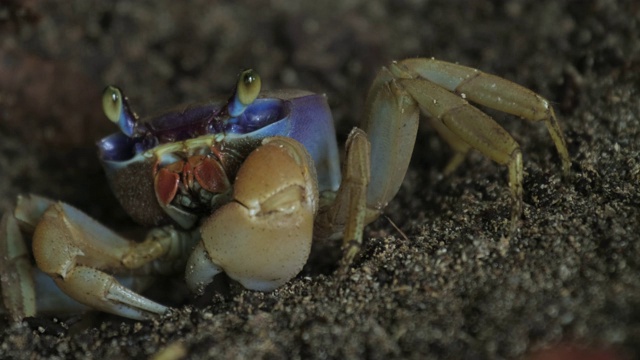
<point x="453" y="286"/>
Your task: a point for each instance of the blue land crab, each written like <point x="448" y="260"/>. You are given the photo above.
<point x="243" y="185"/>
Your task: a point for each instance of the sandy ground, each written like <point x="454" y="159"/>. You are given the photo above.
<point x="445" y="283"/>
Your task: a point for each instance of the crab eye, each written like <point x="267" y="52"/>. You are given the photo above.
<point x="115" y="107"/>
<point x="247" y="91"/>
<point x="248" y="86"/>
<point x="112" y="103"/>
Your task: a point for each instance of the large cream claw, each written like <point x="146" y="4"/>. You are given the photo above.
<point x="262" y="238"/>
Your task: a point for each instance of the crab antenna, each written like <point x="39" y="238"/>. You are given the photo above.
<point x="116" y="108"/>
<point x="247" y="90"/>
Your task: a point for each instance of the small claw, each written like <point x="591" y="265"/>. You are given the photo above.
<point x="76" y="257"/>
<point x="66" y="242"/>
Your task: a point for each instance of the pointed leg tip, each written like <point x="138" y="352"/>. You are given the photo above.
<point x="350" y="249"/>
<point x="566" y="168"/>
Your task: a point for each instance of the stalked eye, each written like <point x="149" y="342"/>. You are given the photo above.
<point x="112" y="103"/>
<point x="115" y="107"/>
<point x="247" y="91"/>
<point x="248" y="86"/>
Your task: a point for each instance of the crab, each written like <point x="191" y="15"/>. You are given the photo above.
<point x="242" y="185"/>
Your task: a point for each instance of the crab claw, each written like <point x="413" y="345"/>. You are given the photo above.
<point x="80" y="263"/>
<point x="75" y="251"/>
<point x="262" y="238"/>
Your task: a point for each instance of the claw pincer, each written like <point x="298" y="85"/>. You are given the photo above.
<point x="273" y="221"/>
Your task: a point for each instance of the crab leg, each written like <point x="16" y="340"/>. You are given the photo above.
<point x="474" y="127"/>
<point x="491" y="91"/>
<point x="439" y="89"/>
<point x="77" y="252"/>
<point x="391" y="124"/>
<point x="459" y="147"/>
<point x="348" y="214"/>
<point x="18" y="288"/>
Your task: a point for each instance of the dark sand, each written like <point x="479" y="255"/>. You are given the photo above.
<point x="455" y="287"/>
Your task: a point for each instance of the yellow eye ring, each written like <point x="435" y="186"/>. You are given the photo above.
<point x="248" y="87"/>
<point x="112" y="103"/>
